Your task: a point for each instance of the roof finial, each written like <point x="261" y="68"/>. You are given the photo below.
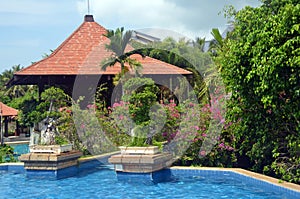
<point x="88" y="17"/>
<point x="88" y="4"/>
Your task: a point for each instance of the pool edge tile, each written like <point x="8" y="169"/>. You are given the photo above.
<point x="287" y="187"/>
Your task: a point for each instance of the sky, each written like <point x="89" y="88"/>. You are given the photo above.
<point x="29" y="29"/>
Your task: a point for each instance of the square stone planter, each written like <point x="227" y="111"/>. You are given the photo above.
<point x="57" y="149"/>
<point x="140" y="160"/>
<point x="149" y="150"/>
<point x="48" y="165"/>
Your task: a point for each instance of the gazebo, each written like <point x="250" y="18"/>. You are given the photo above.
<point x="80" y="56"/>
<point x="5" y="113"/>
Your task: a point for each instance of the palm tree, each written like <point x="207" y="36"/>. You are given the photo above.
<point x="217" y="43"/>
<point x="199" y="43"/>
<point x="8" y="74"/>
<point x="14" y="91"/>
<point x="118" y="43"/>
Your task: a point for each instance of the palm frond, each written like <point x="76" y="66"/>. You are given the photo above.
<point x="217" y="36"/>
<point x="135" y="65"/>
<point x="200" y="84"/>
<point x="125" y="40"/>
<point x="110" y="61"/>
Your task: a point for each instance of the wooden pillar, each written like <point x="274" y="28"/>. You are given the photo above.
<point x="1" y="132"/>
<point x="171" y="84"/>
<point x="6" y="126"/>
<point x="17" y="128"/>
<point x="41" y="89"/>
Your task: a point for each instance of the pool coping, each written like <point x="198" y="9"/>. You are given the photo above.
<point x="17" y="142"/>
<point x="97" y="157"/>
<point x="12" y="164"/>
<point x="257" y="176"/>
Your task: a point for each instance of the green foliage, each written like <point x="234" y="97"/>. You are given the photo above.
<point x="6" y="154"/>
<point x="118" y="43"/>
<point x="211" y="140"/>
<point x="139" y="135"/>
<point x="52" y="99"/>
<point x="60" y="140"/>
<point x="217" y="36"/>
<point x="16" y="91"/>
<point x="142" y="95"/>
<point x="4" y="98"/>
<point x="67" y="130"/>
<point x="260" y="66"/>
<point x="27" y="108"/>
<point x="180" y="53"/>
<point x="89" y="130"/>
<point x="20" y="97"/>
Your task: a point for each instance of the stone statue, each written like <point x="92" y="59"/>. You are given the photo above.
<point x="35" y="136"/>
<point x="48" y="132"/>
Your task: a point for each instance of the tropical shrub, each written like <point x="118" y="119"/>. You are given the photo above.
<point x="132" y="115"/>
<point x="6" y="154"/>
<point x="260" y="63"/>
<point x="211" y="139"/>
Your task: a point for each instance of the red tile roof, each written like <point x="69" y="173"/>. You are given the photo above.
<point x="83" y="53"/>
<point x="7" y="111"/>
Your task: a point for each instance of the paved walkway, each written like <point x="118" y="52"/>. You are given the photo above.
<point x="22" y="137"/>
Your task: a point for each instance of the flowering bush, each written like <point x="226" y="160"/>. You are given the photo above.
<point x="67" y="129"/>
<point x="133" y="115"/>
<point x="90" y="130"/>
<point x="209" y="136"/>
<point x="189" y="130"/>
<point x="197" y="134"/>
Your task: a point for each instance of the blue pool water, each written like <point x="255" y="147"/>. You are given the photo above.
<point x="103" y="184"/>
<point x="20" y="148"/>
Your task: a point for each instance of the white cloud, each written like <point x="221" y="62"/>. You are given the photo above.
<point x="190" y="18"/>
<point x="138" y="13"/>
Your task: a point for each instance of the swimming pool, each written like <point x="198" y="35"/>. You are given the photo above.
<point x="102" y="183"/>
<point x="19" y="147"/>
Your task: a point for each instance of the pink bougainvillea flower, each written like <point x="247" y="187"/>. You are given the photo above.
<point x="222" y="145"/>
<point x="202" y="153"/>
<point x="229" y="148"/>
<point x="222" y="121"/>
<point x="89" y="106"/>
<point x="116" y="105"/>
<point x="191" y="104"/>
<point x="197" y="128"/>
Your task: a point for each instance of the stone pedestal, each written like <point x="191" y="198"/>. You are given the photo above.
<point x="50" y="165"/>
<point x="150" y="150"/>
<point x="140" y="163"/>
<point x="57" y="149"/>
<point x="133" y="162"/>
